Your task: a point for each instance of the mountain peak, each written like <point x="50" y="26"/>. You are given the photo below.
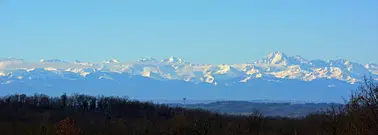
<point x="173" y="59"/>
<point x="275" y="58"/>
<point x="76" y="61"/>
<point x="281" y="58"/>
<point x="113" y="60"/>
<point x="147" y="59"/>
<point x="276" y="54"/>
<point x="11" y="59"/>
<point x="52" y="60"/>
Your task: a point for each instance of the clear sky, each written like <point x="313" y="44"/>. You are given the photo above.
<point x="200" y="31"/>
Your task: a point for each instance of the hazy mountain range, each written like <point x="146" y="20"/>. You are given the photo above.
<point x="275" y="77"/>
<point x="268" y="109"/>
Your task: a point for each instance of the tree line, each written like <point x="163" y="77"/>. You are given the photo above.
<point x="80" y="114"/>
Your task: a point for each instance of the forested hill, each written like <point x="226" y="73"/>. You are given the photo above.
<point x="88" y="115"/>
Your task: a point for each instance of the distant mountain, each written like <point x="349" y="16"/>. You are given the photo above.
<point x="275" y="77"/>
<point x="52" y="60"/>
<point x="285" y="109"/>
<point x="112" y="61"/>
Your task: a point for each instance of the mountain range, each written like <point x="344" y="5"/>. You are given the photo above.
<point x="274" y="77"/>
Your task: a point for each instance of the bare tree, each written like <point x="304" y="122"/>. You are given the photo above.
<point x="362" y="107"/>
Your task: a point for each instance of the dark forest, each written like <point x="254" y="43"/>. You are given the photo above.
<point x="89" y="115"/>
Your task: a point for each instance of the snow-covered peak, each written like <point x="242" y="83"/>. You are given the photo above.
<point x="345" y="64"/>
<point x="51" y="69"/>
<point x="223" y="69"/>
<point x="276" y="65"/>
<point x="11" y="59"/>
<point x="8" y="62"/>
<point x="371" y="66"/>
<point x="276" y="55"/>
<point x="76" y="61"/>
<point x="113" y="60"/>
<point x="82" y="63"/>
<point x="319" y="63"/>
<point x="173" y="59"/>
<point x="274" y="58"/>
<point x="300" y="60"/>
<point x="146" y="60"/>
<point x="338" y="62"/>
<point x="52" y="61"/>
<point x="279" y="58"/>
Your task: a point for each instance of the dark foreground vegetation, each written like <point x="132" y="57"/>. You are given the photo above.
<point x="88" y="115"/>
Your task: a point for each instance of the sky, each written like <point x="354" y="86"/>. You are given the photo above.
<point x="199" y="31"/>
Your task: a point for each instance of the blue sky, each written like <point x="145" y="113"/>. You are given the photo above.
<point x="201" y="31"/>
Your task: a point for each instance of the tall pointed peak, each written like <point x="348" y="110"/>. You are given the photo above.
<point x="173" y="59"/>
<point x="298" y="57"/>
<point x="276" y="58"/>
<point x="113" y="60"/>
<point x="276" y="54"/>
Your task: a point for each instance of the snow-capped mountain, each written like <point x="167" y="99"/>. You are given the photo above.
<point x="52" y="61"/>
<point x="112" y="61"/>
<point x="274" y="76"/>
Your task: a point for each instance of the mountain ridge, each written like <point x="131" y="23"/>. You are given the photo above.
<point x="277" y="70"/>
